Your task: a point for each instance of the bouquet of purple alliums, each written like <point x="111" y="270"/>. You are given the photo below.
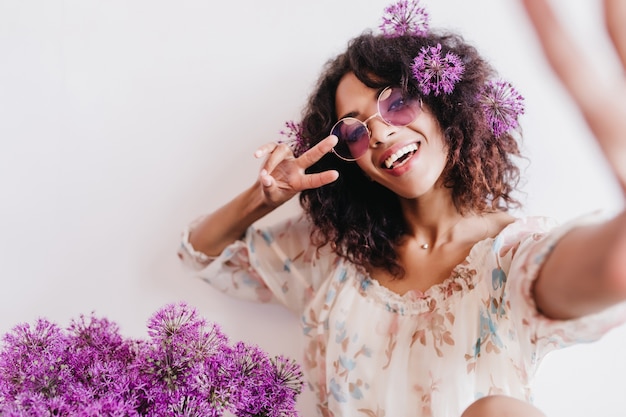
<point x="186" y="367"/>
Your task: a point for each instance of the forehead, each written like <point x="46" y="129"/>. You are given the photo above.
<point x="352" y="96"/>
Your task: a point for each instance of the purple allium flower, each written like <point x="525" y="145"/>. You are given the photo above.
<point x="177" y="321"/>
<point x="288" y="373"/>
<point x="405" y="17"/>
<point x="250" y="376"/>
<point x="185" y="368"/>
<point x="435" y="73"/>
<point x="34" y="361"/>
<point x="293" y="137"/>
<point x="502" y="105"/>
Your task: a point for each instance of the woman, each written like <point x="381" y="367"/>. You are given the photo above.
<point x="420" y="294"/>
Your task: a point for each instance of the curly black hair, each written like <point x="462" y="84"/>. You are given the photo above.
<point x="362" y="219"/>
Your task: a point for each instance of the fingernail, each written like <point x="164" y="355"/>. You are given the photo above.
<point x="258" y="153"/>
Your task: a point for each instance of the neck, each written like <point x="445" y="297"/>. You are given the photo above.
<point x="432" y="220"/>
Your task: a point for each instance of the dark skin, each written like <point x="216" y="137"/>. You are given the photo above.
<point x="427" y="205"/>
<point x="585" y="273"/>
<point x="587" y="270"/>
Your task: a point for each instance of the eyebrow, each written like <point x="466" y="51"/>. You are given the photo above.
<point x="354" y="114"/>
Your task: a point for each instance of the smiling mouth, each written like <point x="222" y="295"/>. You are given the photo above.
<point x="401" y="156"/>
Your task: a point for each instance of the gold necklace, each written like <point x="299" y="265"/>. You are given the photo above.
<point x="426" y="245"/>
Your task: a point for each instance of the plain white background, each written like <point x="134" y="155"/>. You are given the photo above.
<point x="121" y="121"/>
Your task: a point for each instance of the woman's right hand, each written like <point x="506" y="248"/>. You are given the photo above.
<point x="282" y="175"/>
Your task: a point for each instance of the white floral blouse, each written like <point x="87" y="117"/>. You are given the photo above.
<point x="371" y="352"/>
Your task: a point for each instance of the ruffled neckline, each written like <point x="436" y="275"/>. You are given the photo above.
<point x="463" y="278"/>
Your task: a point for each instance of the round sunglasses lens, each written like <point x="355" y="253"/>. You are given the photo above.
<point x="353" y="138"/>
<point x="395" y="109"/>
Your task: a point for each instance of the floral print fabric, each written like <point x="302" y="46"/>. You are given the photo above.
<point x="372" y="352"/>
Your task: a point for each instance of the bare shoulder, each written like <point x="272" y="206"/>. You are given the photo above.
<point x="497" y="221"/>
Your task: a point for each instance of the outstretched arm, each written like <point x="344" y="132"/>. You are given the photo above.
<point x="587" y="270"/>
<point x="282" y="176"/>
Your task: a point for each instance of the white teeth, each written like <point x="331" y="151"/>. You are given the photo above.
<point x="399" y="154"/>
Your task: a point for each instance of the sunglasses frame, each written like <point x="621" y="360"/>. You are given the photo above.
<point x="377" y="114"/>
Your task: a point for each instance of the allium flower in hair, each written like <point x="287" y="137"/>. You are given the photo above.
<point x="435" y="73"/>
<point x="502" y="105"/>
<point x="405" y="17"/>
<point x="292" y="134"/>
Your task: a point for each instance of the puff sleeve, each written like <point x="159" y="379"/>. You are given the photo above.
<point x="524" y="247"/>
<point x="274" y="264"/>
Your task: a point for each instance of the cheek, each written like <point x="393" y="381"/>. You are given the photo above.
<point x="369" y="171"/>
<point x="437" y="142"/>
<point x="428" y="125"/>
<point x="365" y="164"/>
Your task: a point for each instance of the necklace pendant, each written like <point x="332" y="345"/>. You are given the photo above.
<point x="425" y="246"/>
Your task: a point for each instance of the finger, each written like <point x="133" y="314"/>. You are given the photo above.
<point x="265" y="149"/>
<point x="563" y="54"/>
<point x="615" y="18"/>
<point x="574" y="70"/>
<point x="279" y="154"/>
<point x="266" y="179"/>
<point x="319" y="179"/>
<point x="317" y="152"/>
<point x="601" y="105"/>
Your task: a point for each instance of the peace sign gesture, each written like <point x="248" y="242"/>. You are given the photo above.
<point x="283" y="176"/>
<point x="601" y="99"/>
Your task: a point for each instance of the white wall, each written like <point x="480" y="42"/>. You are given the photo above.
<point x="120" y="121"/>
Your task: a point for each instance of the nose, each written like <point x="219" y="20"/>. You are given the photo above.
<point x="377" y="128"/>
